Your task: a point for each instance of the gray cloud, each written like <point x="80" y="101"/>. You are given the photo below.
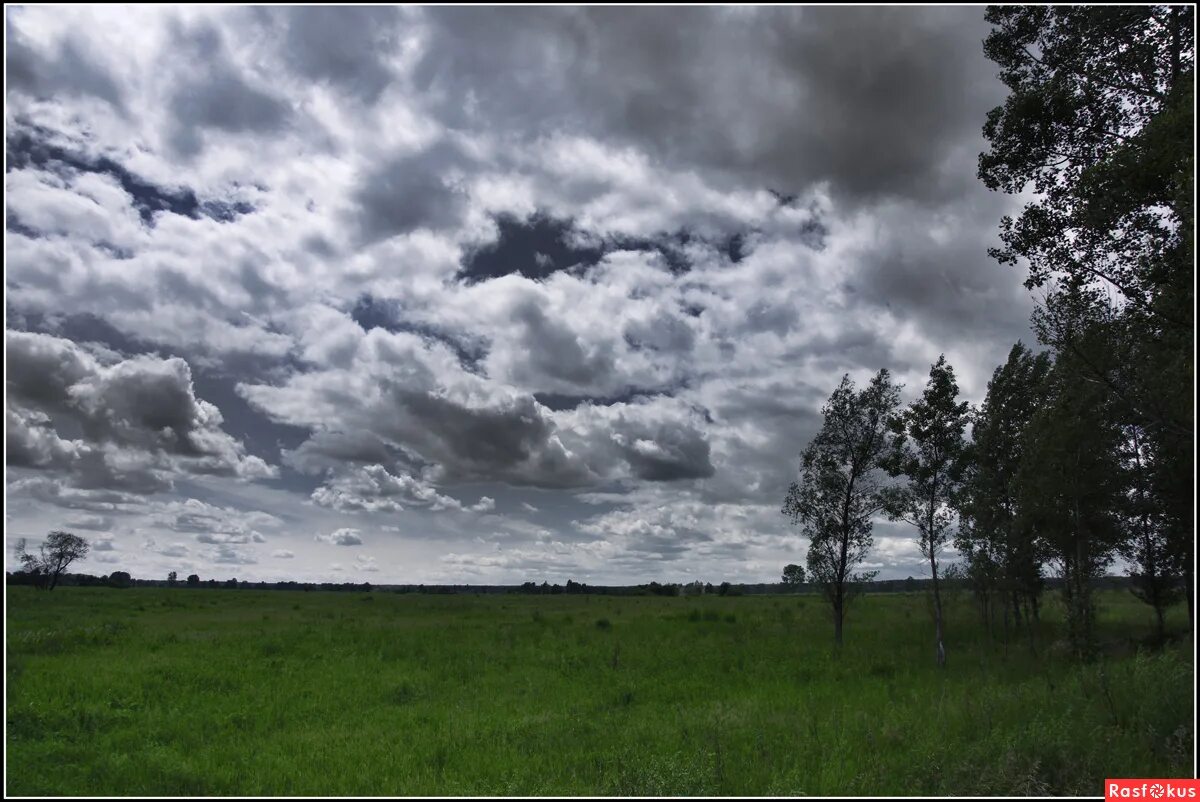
<point x="129" y="425"/>
<point x="876" y="101"/>
<point x="410" y="191"/>
<point x="506" y="292"/>
<point x="218" y="96"/>
<point x="342" y="537"/>
<point x="348" y="47"/>
<point x="67" y="69"/>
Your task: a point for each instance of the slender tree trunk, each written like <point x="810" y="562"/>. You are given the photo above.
<point x="937" y="612"/>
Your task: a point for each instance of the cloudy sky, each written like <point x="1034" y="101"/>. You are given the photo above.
<point x="477" y="295"/>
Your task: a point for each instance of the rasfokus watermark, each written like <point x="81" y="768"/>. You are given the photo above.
<point x="1152" y="789"/>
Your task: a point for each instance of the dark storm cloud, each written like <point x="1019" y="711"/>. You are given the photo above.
<point x="668" y="453"/>
<point x="877" y="101"/>
<point x="511" y="439"/>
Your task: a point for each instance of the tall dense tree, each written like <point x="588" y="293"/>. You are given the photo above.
<point x="840" y="487"/>
<point x="926" y="451"/>
<point x="1004" y="561"/>
<point x="1069" y="486"/>
<point x="1100" y="124"/>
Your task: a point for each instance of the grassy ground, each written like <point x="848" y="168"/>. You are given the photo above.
<point x="214" y="692"/>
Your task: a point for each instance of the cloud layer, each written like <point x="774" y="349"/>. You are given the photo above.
<point x="494" y="294"/>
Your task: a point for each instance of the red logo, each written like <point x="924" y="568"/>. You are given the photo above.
<point x="1164" y="789"/>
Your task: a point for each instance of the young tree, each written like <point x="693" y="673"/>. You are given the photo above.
<point x="839" y="490"/>
<point x="1155" y="566"/>
<point x="1003" y="556"/>
<point x="793" y="575"/>
<point x="59" y="551"/>
<point x="172" y="578"/>
<point x="926" y="450"/>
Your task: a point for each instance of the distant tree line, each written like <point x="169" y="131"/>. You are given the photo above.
<point x="1081" y="453"/>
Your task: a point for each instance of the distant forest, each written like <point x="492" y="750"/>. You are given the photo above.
<point x="121" y="579"/>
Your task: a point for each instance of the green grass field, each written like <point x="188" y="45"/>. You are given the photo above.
<point x="212" y="692"/>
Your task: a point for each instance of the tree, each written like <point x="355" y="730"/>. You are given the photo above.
<point x="1100" y="123"/>
<point x="172" y="578"/>
<point x="193" y="581"/>
<point x="839" y="491"/>
<point x="1068" y="489"/>
<point x="120" y="579"/>
<point x="59" y="551"/>
<point x="1155" y="566"/>
<point x="1003" y="560"/>
<point x="926" y="450"/>
<point x="793" y="575"/>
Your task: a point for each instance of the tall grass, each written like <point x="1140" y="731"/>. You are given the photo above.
<point x="212" y="692"/>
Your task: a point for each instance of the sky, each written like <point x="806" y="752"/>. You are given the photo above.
<point x="478" y="295"/>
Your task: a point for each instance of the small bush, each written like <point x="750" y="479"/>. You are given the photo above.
<point x="603" y="624"/>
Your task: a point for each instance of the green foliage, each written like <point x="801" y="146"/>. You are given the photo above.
<point x="1068" y="486"/>
<point x="793" y="574"/>
<point x="1003" y="556"/>
<point x="927" y="452"/>
<point x="839" y="491"/>
<point x="1100" y="123"/>
<point x="417" y="694"/>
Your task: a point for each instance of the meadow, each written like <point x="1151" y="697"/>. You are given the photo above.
<point x="152" y="691"/>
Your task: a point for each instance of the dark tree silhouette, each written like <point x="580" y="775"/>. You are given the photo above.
<point x="926" y="450"/>
<point x="59" y="551"/>
<point x="793" y="575"/>
<point x="839" y="491"/>
<point x="1100" y="124"/>
<point x="1004" y="561"/>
